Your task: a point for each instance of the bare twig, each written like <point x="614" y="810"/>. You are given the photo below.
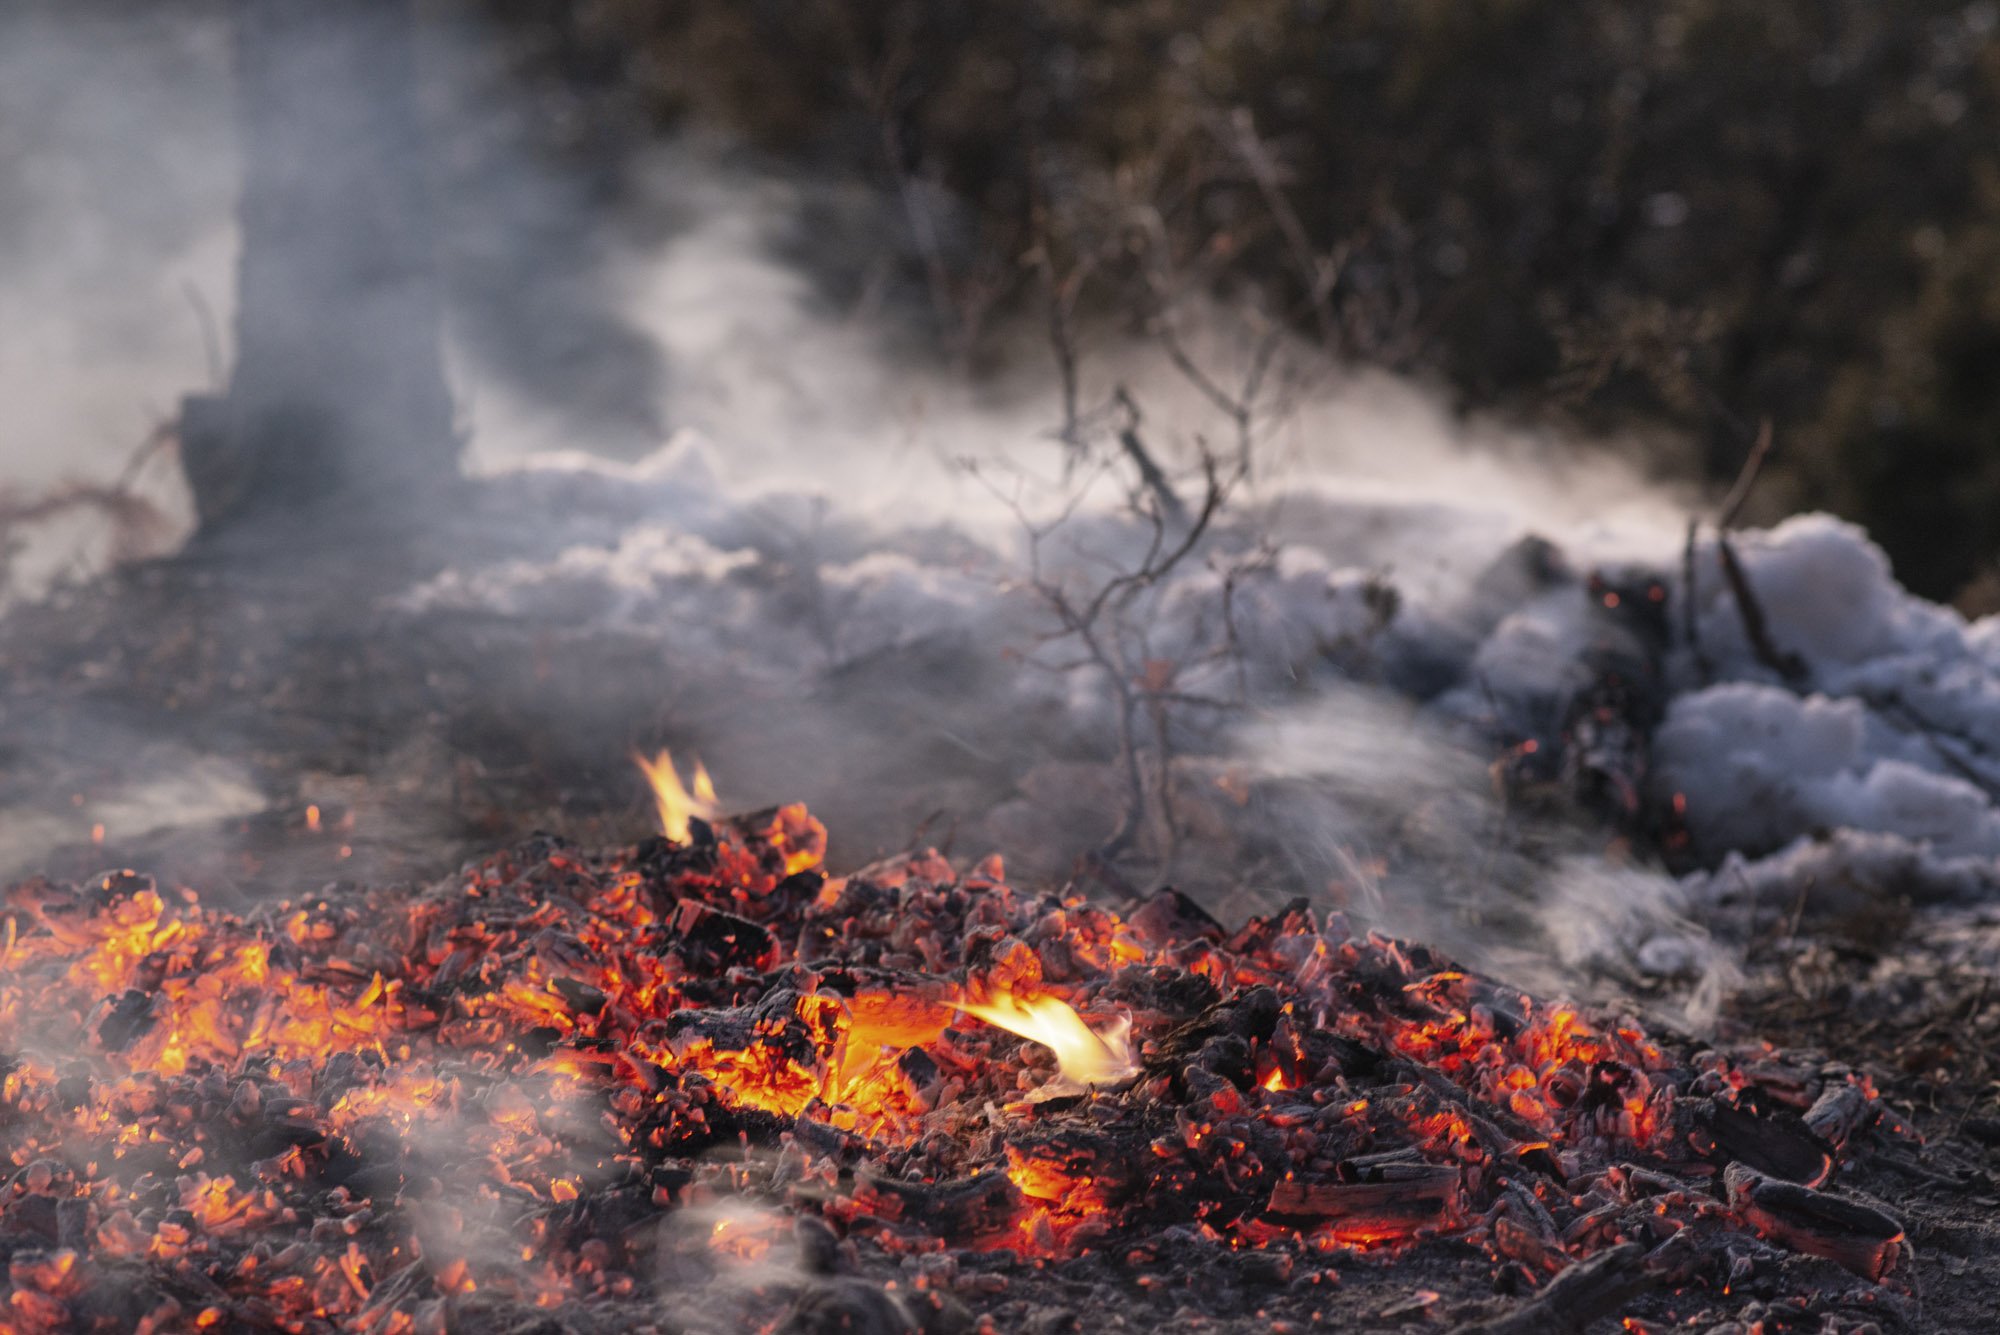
<point x="1097" y="624"/>
<point x="1099" y="601"/>
<point x="136" y="522"/>
<point x="1746" y="478"/>
<point x="1149" y="472"/>
<point x="1060" y="295"/>
<point x="1690" y="624"/>
<point x="959" y="306"/>
<point x="1319" y="272"/>
<point x="1755" y="629"/>
<point x="1935" y="735"/>
<point x="159" y="438"/>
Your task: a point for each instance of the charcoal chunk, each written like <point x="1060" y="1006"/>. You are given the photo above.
<point x="1779" y="1145"/>
<point x="848" y="1307"/>
<point x="712" y="940"/>
<point x="1169" y="917"/>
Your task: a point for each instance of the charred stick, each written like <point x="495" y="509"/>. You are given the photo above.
<point x="1934" y="735"/>
<point x="1416" y="1193"/>
<point x="1857" y="1237"/>
<point x="1527" y="1246"/>
<point x="1575" y="1298"/>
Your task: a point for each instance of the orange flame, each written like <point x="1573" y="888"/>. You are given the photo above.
<point x="677" y="804"/>
<point x="1084" y="1056"/>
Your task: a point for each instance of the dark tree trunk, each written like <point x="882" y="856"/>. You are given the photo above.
<point x="338" y="406"/>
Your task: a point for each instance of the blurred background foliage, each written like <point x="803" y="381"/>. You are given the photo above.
<point x="1670" y="218"/>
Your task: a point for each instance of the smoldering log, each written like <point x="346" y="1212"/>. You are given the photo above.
<point x="889" y="1008"/>
<point x="1857" y="1237"/>
<point x="1532" y="1249"/>
<point x="1170" y="917"/>
<point x="779" y="1024"/>
<point x="1407" y="1196"/>
<point x="1051" y="1163"/>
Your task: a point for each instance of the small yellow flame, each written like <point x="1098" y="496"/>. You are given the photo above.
<point x="677" y="804"/>
<point x="1085" y="1056"/>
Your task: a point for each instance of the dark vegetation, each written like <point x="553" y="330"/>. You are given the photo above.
<point x="1671" y="219"/>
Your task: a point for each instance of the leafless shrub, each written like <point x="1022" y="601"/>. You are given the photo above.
<point x="137" y="526"/>
<point x="1177" y="489"/>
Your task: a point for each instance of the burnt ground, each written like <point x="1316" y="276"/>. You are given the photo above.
<point x="362" y="750"/>
<point x="1909" y="1008"/>
<point x="1941" y="1184"/>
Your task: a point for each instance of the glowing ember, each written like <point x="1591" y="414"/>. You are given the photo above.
<point x="677" y="804"/>
<point x="1084" y="1056"/>
<point x="356" y="1110"/>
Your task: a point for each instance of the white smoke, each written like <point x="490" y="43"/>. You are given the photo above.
<point x="842" y="605"/>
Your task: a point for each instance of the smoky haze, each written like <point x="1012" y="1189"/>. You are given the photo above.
<point x="723" y="512"/>
<point x="116" y="183"/>
<point x="119" y="178"/>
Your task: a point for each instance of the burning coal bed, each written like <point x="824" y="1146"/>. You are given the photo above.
<point x="698" y="1085"/>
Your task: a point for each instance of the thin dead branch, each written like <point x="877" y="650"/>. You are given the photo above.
<point x="1690" y="623"/>
<point x="1943" y="741"/>
<point x="1319" y="272"/>
<point x="1756" y="628"/>
<point x="1746" y="478"/>
<point x="138" y="526"/>
<point x="1150" y="474"/>
<point x="1099" y="601"/>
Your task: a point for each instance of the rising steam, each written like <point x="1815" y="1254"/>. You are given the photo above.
<point x="839" y="576"/>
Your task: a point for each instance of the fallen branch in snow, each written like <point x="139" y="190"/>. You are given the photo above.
<point x="1793" y="669"/>
<point x="1935" y="734"/>
<point x="1758" y="631"/>
<point x="1690" y="625"/>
